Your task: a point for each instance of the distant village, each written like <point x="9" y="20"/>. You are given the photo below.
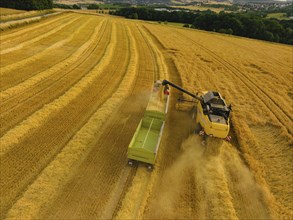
<point x="164" y="5"/>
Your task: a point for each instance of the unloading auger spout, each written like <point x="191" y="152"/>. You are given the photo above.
<point x="166" y="82"/>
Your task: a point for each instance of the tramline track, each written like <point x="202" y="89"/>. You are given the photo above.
<point x="273" y="106"/>
<point x="251" y="50"/>
<point x="192" y="199"/>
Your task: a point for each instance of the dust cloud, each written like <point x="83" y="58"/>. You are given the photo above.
<point x="224" y="188"/>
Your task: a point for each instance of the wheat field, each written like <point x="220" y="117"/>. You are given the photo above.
<point x="75" y="86"/>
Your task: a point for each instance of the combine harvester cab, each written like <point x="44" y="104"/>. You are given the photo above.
<point x="146" y="140"/>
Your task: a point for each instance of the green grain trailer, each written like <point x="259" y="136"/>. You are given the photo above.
<point x="146" y="140"/>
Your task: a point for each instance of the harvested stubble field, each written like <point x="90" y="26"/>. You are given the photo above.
<point x="11" y="18"/>
<point x="10" y="11"/>
<point x="73" y="89"/>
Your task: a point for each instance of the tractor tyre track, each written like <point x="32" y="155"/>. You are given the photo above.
<point x="141" y="200"/>
<point x="135" y="201"/>
<point x="250" y="49"/>
<point x="191" y="202"/>
<point x="282" y="116"/>
<point x="172" y="137"/>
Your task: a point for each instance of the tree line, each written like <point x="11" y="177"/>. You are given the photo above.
<point x="64" y="6"/>
<point x="240" y="24"/>
<point x="27" y="4"/>
<point x="287" y="10"/>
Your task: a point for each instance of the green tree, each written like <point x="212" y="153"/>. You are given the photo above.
<point x="93" y="6"/>
<point x="225" y="31"/>
<point x="75" y="6"/>
<point x="27" y="4"/>
<point x="135" y="16"/>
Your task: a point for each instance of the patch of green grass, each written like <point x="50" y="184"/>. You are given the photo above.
<point x="280" y="16"/>
<point x="173" y="24"/>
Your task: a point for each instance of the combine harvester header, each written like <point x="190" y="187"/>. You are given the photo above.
<point x="146" y="140"/>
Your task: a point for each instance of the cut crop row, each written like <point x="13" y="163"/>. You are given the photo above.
<point x="39" y="141"/>
<point x="32" y="94"/>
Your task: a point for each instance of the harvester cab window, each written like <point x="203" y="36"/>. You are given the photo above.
<point x="213" y="104"/>
<point x="208" y="96"/>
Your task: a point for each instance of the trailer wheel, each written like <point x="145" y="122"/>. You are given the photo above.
<point x="228" y="138"/>
<point x="131" y="163"/>
<point x="150" y="167"/>
<point x="197" y="128"/>
<point x="204" y="137"/>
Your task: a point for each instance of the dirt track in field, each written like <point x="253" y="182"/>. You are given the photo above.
<point x="73" y="89"/>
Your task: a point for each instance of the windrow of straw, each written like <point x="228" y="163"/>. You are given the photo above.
<point x="6" y="94"/>
<point x="28" y="14"/>
<point x="10" y="11"/>
<point x="53" y="178"/>
<point x="26" y="43"/>
<point x="24" y="21"/>
<point x="14" y="135"/>
<point x="16" y="33"/>
<point x="43" y="53"/>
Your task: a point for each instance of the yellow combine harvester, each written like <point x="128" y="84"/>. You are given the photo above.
<point x="212" y="112"/>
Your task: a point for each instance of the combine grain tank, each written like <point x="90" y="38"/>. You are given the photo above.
<point x="146" y="140"/>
